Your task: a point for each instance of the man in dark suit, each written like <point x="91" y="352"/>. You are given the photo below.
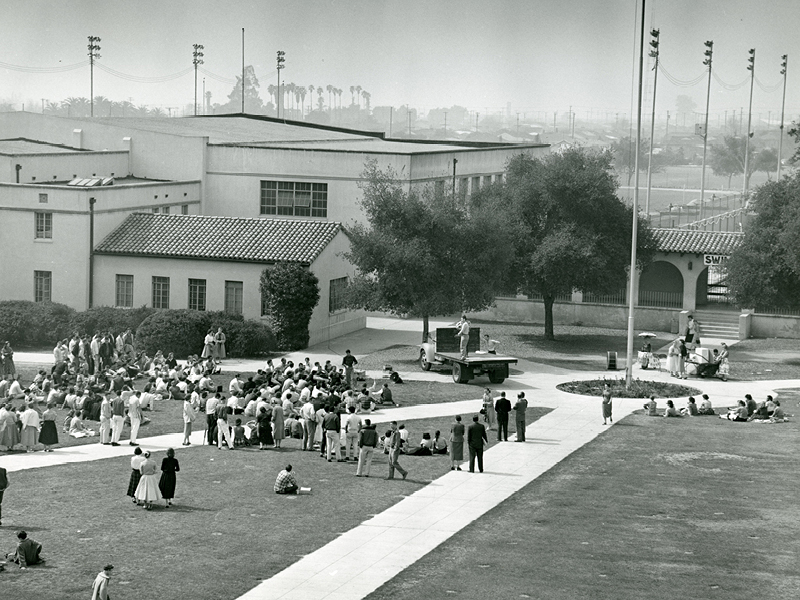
<point x="502" y="407"/>
<point x="476" y="438"/>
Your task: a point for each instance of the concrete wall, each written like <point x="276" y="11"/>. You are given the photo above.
<point x="63" y="166"/>
<point x="775" y="326"/>
<point x="522" y="310"/>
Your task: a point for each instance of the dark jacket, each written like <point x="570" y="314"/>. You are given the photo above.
<point x="331" y="422"/>
<point x="476" y="435"/>
<point x="502" y="407"/>
<point x="368" y="437"/>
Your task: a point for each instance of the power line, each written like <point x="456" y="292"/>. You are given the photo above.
<point x="59" y="69"/>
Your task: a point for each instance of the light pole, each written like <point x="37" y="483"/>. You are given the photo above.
<point x="709" y="53"/>
<point x="197" y="59"/>
<point x="94" y="54"/>
<point x="784" y="64"/>
<point x="752" y="68"/>
<point x="634" y="230"/>
<point x="280" y="61"/>
<point x="654" y="33"/>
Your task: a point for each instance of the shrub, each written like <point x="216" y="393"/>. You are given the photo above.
<point x="108" y="318"/>
<point x="30" y="324"/>
<point x="292" y="292"/>
<point x="639" y="388"/>
<point x="182" y="331"/>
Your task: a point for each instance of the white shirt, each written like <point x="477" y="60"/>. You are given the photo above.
<point x="235" y="386"/>
<point x="353" y="424"/>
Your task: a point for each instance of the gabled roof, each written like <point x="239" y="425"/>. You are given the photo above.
<point x="688" y="241"/>
<point x="219" y="238"/>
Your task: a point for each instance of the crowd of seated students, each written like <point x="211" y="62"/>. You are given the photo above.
<point x="746" y="410"/>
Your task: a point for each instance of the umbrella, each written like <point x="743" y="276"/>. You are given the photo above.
<point x="647" y="334"/>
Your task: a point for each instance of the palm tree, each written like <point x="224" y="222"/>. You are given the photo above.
<point x="272" y="90"/>
<point x="301" y="91"/>
<point x="53" y="108"/>
<point x="339" y="93"/>
<point x="320" y="101"/>
<point x="102" y="105"/>
<point x="352" y="97"/>
<point x="157" y="112"/>
<point x="141" y="111"/>
<point x="366" y="95"/>
<point x="329" y="87"/>
<point x="358" y="96"/>
<point x="127" y="108"/>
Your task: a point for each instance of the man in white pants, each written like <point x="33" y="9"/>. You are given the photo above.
<point x="351" y="430"/>
<point x="117" y="419"/>
<point x="105" y="421"/>
<point x="135" y="413"/>
<point x="367" y="441"/>
<point x="309" y="423"/>
<point x="223" y="431"/>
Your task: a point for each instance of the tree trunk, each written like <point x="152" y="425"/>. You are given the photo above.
<point x="425" y="329"/>
<point x="548" y="316"/>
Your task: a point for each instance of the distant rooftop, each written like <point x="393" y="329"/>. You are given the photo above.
<point x="219" y="238"/>
<point x="697" y="242"/>
<point x="18" y="146"/>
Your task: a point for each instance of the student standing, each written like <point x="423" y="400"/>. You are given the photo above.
<point x="456" y="444"/>
<point x="367" y="442"/>
<point x="519" y="408"/>
<point x="349" y="361"/>
<point x="476" y="438"/>
<point x="169" y="467"/>
<point x="502" y="407"/>
<point x="394" y="453"/>
<point x="100" y="584"/>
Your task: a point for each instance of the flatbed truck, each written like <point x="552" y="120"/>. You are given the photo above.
<point x="444" y="349"/>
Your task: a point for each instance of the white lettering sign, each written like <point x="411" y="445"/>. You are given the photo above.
<point x="714" y="259"/>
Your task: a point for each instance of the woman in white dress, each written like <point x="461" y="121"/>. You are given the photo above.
<point x="208" y="344"/>
<point x="147" y="491"/>
<point x="673" y="358"/>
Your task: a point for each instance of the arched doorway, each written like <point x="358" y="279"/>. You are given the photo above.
<point x="712" y="288"/>
<point x="661" y="284"/>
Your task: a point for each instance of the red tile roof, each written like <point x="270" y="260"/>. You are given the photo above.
<point x="219" y="238"/>
<point x="687" y="241"/>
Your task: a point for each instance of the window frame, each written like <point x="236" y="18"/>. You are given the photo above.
<point x="237" y="301"/>
<point x="42" y="225"/>
<point x="42" y="286"/>
<point x="126" y="294"/>
<point x="198" y="294"/>
<point x="293" y="199"/>
<point x="160" y="291"/>
<point x="336" y="288"/>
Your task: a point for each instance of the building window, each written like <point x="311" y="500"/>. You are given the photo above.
<point x="197" y="294"/>
<point x="44" y="225"/>
<point x="234" y="293"/>
<point x="155" y="210"/>
<point x="42" y="286"/>
<point x="487" y="180"/>
<point x="42" y="198"/>
<point x="184" y="209"/>
<point x="124" y="293"/>
<point x="294" y="199"/>
<point x="165" y="210"/>
<point x="336" y="294"/>
<point x="476" y="184"/>
<point x="160" y="292"/>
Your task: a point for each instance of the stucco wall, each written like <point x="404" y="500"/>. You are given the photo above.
<point x="775" y="326"/>
<point x="41" y="168"/>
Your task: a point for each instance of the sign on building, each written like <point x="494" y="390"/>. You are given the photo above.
<point x="710" y="260"/>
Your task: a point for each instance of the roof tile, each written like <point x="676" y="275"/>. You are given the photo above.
<point x="688" y="241"/>
<point x="219" y="238"/>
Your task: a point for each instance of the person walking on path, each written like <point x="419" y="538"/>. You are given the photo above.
<point x="519" y="408"/>
<point x="488" y="409"/>
<point x="136" y="462"/>
<point x="135" y="414"/>
<point x="367" y="442"/>
<point x="223" y="431"/>
<point x="100" y="584"/>
<point x="3" y="487"/>
<point x="117" y="419"/>
<point x="189" y="415"/>
<point x="208" y="345"/>
<point x="349" y="361"/>
<point x="456" y="444"/>
<point x="463" y="334"/>
<point x="169" y="466"/>
<point x="394" y="453"/>
<point x="502" y="407"/>
<point x="148" y="491"/>
<point x="607" y="404"/>
<point x="476" y="438"/>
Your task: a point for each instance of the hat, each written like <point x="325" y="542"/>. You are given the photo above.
<point x="108" y="567"/>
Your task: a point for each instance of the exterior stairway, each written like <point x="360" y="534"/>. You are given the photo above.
<point x="722" y="325"/>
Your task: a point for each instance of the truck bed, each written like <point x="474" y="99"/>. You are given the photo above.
<point x="473" y="358"/>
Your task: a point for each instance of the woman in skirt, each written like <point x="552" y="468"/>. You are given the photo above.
<point x="169" y="466"/>
<point x="48" y="436"/>
<point x="264" y="427"/>
<point x="136" y="462"/>
<point x="147" y="491"/>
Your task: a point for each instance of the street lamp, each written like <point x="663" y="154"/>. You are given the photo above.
<point x="654" y="33"/>
<point x="784" y="64"/>
<point x="94" y="54"/>
<point x="197" y="59"/>
<point x="752" y="68"/>
<point x="281" y="60"/>
<point x="709" y="53"/>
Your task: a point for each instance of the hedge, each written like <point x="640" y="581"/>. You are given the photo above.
<point x="100" y="319"/>
<point x="34" y="324"/>
<point x="182" y="332"/>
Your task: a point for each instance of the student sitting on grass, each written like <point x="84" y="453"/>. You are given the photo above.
<point x="27" y="552"/>
<point x="691" y="408"/>
<point x="705" y="407"/>
<point x="651" y="407"/>
<point x="238" y="435"/>
<point x="737" y="414"/>
<point x="671" y="410"/>
<point x="439" y="443"/>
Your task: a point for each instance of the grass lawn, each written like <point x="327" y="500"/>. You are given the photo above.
<point x="654" y="508"/>
<point x="760" y="359"/>
<point x="226" y="532"/>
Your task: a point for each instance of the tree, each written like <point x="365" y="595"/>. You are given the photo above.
<point x="423" y="253"/>
<point x="570" y="230"/>
<point x="767" y="161"/>
<point x="253" y="102"/>
<point x="764" y="272"/>
<point x="291" y="292"/>
<point x="624" y="153"/>
<point x="727" y="159"/>
<point x="684" y="104"/>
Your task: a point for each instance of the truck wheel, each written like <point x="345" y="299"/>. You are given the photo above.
<point x="459" y="376"/>
<point x="423" y="361"/>
<point x="496" y="377"/>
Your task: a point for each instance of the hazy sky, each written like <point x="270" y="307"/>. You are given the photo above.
<point x="534" y="55"/>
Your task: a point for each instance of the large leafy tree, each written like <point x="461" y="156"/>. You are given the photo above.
<point x="252" y="101"/>
<point x="624" y="155"/>
<point x="727" y="158"/>
<point x="764" y="272"/>
<point x="423" y="253"/>
<point x="290" y="292"/>
<point x="570" y="230"/>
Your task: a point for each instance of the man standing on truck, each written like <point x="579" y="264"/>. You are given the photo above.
<point x="463" y="333"/>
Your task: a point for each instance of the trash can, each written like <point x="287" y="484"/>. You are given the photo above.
<point x="611" y="361"/>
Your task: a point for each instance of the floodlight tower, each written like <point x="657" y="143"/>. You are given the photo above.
<point x="654" y="33"/>
<point x="752" y="68"/>
<point x="280" y="66"/>
<point x="709" y="53"/>
<point x="94" y="54"/>
<point x="197" y="59"/>
<point x="784" y="64"/>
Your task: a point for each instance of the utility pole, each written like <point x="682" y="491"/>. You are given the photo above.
<point x="445" y="134"/>
<point x="280" y="65"/>
<point x="243" y="71"/>
<point x="477" y="114"/>
<point x="197" y="59"/>
<point x="391" y="115"/>
<point x="94" y="54"/>
<point x="709" y="53"/>
<point x="654" y="33"/>
<point x="517" y="124"/>
<point x="204" y="96"/>
<point x="784" y="64"/>
<point x="666" y="132"/>
<point x="752" y="68"/>
<point x="455" y="162"/>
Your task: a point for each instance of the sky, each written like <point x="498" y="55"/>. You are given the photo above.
<point x="527" y="56"/>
